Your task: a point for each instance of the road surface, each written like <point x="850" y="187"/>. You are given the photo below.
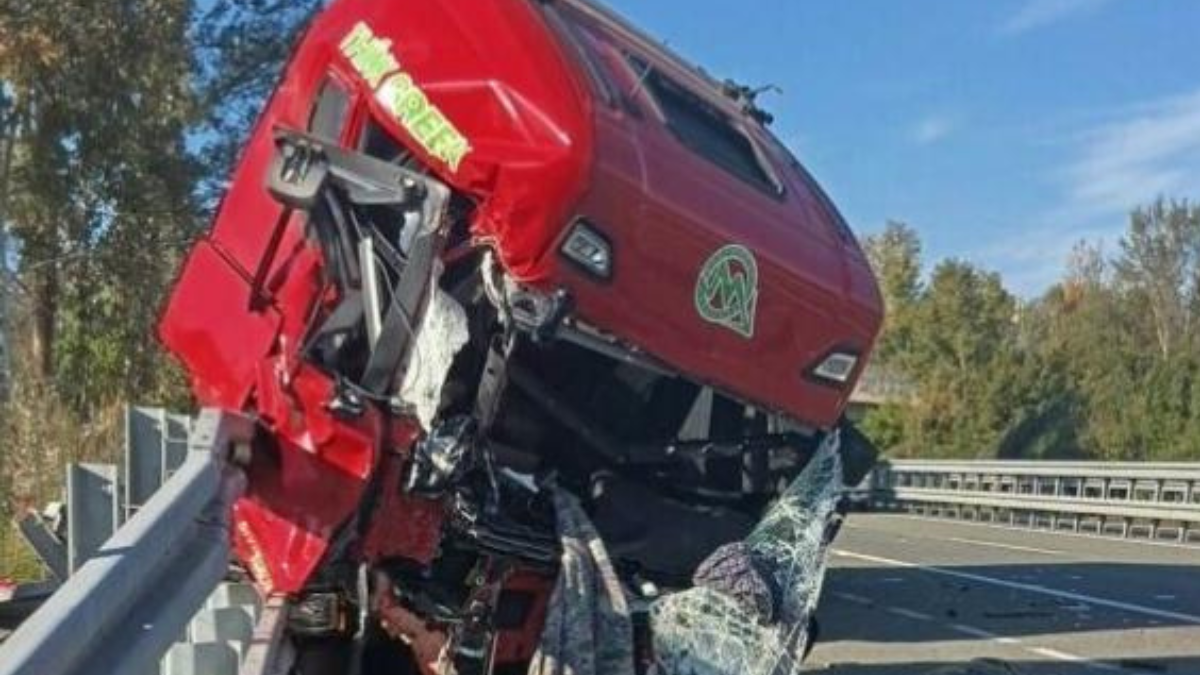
<point x="907" y="595"/>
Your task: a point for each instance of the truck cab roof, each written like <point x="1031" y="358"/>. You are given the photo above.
<point x="569" y="132"/>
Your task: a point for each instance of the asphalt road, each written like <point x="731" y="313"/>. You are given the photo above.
<point x="909" y="596"/>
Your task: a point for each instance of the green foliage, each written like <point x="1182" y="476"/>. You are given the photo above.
<point x="1105" y="365"/>
<point x="117" y="119"/>
<point x="100" y="187"/>
<point x="240" y="47"/>
<point x="895" y="255"/>
<point x="18" y="562"/>
<point x="885" y="426"/>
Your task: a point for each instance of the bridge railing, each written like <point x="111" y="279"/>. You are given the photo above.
<point x="1159" y="501"/>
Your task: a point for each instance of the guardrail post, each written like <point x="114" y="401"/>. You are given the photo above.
<point x="143" y="456"/>
<point x="48" y="547"/>
<point x="156" y="443"/>
<point x="122" y="609"/>
<point x="92" y="510"/>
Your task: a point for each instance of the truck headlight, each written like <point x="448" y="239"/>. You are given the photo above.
<point x="589" y="249"/>
<point x="837" y="368"/>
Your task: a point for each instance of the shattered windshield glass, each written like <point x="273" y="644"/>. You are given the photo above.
<point x="752" y="608"/>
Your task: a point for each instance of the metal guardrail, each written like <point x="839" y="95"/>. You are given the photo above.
<point x="1127" y="499"/>
<point x="125" y="606"/>
<point x="133" y="596"/>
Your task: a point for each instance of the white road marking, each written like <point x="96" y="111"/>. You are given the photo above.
<point x="909" y="614"/>
<point x="856" y="599"/>
<point x="1031" y="588"/>
<point x="1074" y="658"/>
<point x="1045" y="652"/>
<point x="1193" y="547"/>
<point x="972" y="631"/>
<point x="984" y="634"/>
<point x="1165" y="598"/>
<point x="1011" y="547"/>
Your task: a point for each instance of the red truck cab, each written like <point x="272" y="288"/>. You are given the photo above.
<point x="523" y="235"/>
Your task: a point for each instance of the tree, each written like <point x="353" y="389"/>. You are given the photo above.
<point x="956" y="339"/>
<point x="895" y="256"/>
<point x="97" y="193"/>
<point x="962" y="332"/>
<point x="101" y="180"/>
<point x="1106" y="364"/>
<point x="966" y="314"/>
<point x="119" y="120"/>
<point x="240" y="47"/>
<point x="1160" y="264"/>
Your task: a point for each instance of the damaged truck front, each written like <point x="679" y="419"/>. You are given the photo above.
<point x="486" y="264"/>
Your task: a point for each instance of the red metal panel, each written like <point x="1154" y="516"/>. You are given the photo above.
<point x="667" y="210"/>
<point x="207" y="324"/>
<point x="494" y="71"/>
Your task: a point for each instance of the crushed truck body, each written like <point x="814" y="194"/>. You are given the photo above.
<point x="485" y="264"/>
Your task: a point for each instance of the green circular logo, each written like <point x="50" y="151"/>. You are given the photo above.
<point x="727" y="290"/>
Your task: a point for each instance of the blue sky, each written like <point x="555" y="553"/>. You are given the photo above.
<point x="1003" y="130"/>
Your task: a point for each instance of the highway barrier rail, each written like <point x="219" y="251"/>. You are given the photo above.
<point x="140" y="573"/>
<point x="1153" y="501"/>
<point x="127" y="597"/>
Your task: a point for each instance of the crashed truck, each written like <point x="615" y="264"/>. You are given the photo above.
<point x="549" y="342"/>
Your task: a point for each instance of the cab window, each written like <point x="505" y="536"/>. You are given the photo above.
<point x="570" y="31"/>
<point x="703" y="128"/>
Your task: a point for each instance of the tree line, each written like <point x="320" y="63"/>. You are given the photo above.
<point x="119" y="122"/>
<point x="1104" y="365"/>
